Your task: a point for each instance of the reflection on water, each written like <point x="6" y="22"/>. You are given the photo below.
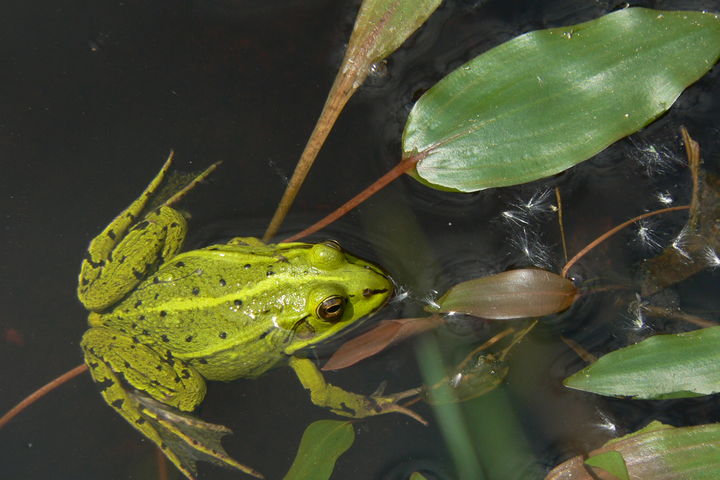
<point x="94" y="97"/>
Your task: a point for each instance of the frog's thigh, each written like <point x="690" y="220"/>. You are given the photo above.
<point x="117" y="363"/>
<point x="339" y="401"/>
<point x="105" y="280"/>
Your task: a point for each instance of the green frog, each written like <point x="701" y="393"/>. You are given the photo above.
<point x="162" y="322"/>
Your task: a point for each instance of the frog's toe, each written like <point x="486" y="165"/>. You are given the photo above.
<point x="187" y="439"/>
<point x="389" y="405"/>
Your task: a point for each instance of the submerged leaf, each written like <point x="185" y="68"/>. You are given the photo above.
<point x="549" y="99"/>
<point x="668" y="453"/>
<point x="520" y="293"/>
<point x="697" y="245"/>
<point x="483" y="375"/>
<point x="322" y="444"/>
<point x="378" y="339"/>
<point x="662" y="366"/>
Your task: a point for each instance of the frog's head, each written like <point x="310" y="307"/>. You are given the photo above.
<point x="338" y="290"/>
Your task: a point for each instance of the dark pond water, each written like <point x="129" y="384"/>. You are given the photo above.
<point x="93" y="96"/>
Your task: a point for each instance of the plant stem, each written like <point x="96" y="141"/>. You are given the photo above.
<point x="41" y="392"/>
<point x="613" y="231"/>
<point x="346" y="83"/>
<point x="379" y="184"/>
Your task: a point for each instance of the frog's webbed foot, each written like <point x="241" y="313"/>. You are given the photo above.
<point x="390" y="403"/>
<point x="154" y="392"/>
<point x="344" y="403"/>
<point x="378" y="405"/>
<point x="187" y="439"/>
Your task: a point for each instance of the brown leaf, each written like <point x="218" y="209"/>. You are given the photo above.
<point x="379" y="338"/>
<point x="521" y="293"/>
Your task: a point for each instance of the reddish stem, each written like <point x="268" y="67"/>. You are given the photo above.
<point x="378" y="185"/>
<point x="612" y="232"/>
<point x="41" y="392"/>
<point x="161" y="464"/>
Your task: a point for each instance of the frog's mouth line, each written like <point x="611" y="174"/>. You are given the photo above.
<point x="369" y="292"/>
<point x="293" y="330"/>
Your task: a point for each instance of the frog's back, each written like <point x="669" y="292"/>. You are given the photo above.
<point x="216" y="308"/>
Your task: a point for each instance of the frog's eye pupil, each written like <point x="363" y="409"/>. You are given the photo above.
<point x="332" y="308"/>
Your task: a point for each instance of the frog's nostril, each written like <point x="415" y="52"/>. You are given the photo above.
<point x="370" y="292"/>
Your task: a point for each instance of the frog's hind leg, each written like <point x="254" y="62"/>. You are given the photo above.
<point x="132" y="245"/>
<point x="105" y="281"/>
<point x="153" y="392"/>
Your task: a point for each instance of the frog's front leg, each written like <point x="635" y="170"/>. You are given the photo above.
<point x="342" y="402"/>
<point x="128" y="248"/>
<point x="152" y="391"/>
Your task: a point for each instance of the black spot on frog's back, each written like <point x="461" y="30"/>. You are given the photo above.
<point x="105" y="384"/>
<point x="141" y="225"/>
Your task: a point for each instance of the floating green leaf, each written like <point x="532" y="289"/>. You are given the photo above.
<point x="661" y="452"/>
<point x="383" y="25"/>
<point x="662" y="366"/>
<point x="612" y="462"/>
<point x="549" y="99"/>
<point x="322" y="444"/>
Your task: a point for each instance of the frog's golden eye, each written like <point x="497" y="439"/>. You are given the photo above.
<point x="332" y="308"/>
